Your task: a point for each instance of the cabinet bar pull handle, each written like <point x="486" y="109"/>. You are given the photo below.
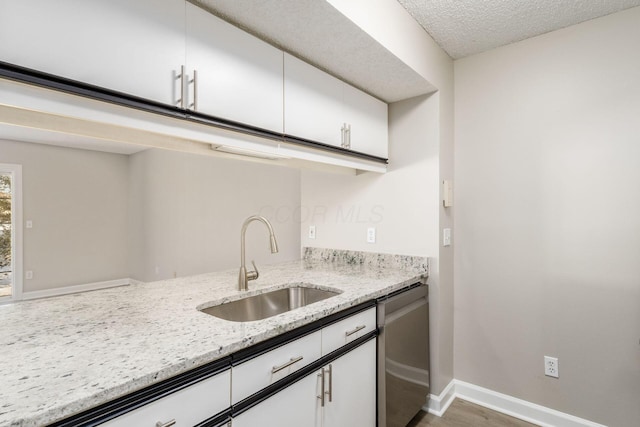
<point x="167" y="424"/>
<point x="330" y="392"/>
<point x="181" y="78"/>
<point x="353" y="331"/>
<point x="321" y="397"/>
<point x="194" y="104"/>
<point x="286" y="365"/>
<point x="342" y="135"/>
<point x="348" y="132"/>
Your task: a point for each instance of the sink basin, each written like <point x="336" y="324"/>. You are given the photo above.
<point x="261" y="306"/>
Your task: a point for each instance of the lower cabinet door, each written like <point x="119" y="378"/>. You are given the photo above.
<point x="351" y="382"/>
<point x="184" y="408"/>
<point x="295" y="406"/>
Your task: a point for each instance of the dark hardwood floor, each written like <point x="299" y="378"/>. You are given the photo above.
<point x="466" y="414"/>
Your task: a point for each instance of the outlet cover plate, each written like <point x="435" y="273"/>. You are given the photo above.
<point x="551" y="366"/>
<point x="371" y="235"/>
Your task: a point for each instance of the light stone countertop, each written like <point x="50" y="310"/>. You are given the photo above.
<point x="66" y="354"/>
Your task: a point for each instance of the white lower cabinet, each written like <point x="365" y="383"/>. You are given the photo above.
<point x="295" y="406"/>
<point x="338" y="388"/>
<point x="352" y="389"/>
<point x="347" y="330"/>
<point x="274" y="365"/>
<point x="183" y="408"/>
<point x="349" y="396"/>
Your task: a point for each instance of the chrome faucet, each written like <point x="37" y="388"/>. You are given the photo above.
<point x="245" y="276"/>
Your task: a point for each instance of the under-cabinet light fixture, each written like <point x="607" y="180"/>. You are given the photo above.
<point x="248" y="152"/>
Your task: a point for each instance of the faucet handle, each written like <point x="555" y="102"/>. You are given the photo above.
<point x="253" y="275"/>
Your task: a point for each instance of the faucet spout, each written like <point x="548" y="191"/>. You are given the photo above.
<point x="245" y="276"/>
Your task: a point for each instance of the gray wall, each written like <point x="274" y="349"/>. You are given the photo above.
<point x="403" y="205"/>
<point x="548" y="219"/>
<point x="186" y="212"/>
<point x="100" y="216"/>
<point x="77" y="201"/>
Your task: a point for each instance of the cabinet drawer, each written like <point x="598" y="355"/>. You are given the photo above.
<point x="187" y="407"/>
<point x="257" y="373"/>
<point x="343" y="332"/>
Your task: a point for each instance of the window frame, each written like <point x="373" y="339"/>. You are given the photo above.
<point x="15" y="171"/>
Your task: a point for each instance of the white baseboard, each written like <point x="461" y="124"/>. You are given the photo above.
<point x="76" y="288"/>
<point x="509" y="405"/>
<point x="438" y="405"/>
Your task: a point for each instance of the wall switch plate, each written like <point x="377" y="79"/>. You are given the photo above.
<point x="551" y="366"/>
<point x="312" y="231"/>
<point x="28" y="275"/>
<point x="447" y="194"/>
<point x="446" y="237"/>
<point x="371" y="235"/>
<point x="29" y="224"/>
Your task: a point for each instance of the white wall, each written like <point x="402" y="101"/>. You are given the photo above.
<point x="76" y="200"/>
<point x="402" y="204"/>
<point x="187" y="210"/>
<point x="548" y="219"/>
<point x="424" y="120"/>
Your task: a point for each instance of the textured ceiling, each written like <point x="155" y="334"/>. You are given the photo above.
<point x="466" y="27"/>
<point x="316" y="32"/>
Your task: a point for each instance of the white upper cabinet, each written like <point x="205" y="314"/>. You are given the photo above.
<point x="239" y="77"/>
<point x="367" y="122"/>
<point x="174" y="53"/>
<point x="135" y="47"/>
<point x="321" y="108"/>
<point x="312" y="103"/>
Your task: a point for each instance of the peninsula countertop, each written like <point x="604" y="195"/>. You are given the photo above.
<point x="66" y="354"/>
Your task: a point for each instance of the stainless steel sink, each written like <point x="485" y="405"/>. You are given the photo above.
<point x="261" y="306"/>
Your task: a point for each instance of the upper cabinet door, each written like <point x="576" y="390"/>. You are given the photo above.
<point x="318" y="106"/>
<point x="131" y="46"/>
<point x="313" y="106"/>
<point x="368" y="123"/>
<point x="239" y="77"/>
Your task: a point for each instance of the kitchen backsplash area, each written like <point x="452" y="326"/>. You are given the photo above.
<point x="367" y="259"/>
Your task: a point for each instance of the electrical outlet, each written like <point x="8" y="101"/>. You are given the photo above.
<point x="371" y="235"/>
<point x="312" y="231"/>
<point x="551" y="366"/>
<point x="28" y="275"/>
<point x="446" y="237"/>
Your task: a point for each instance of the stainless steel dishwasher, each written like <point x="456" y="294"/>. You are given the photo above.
<point x="403" y="355"/>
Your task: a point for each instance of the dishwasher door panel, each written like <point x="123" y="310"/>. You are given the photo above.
<point x="403" y="357"/>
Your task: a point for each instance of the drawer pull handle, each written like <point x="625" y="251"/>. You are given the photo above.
<point x="194" y="104"/>
<point x="330" y="392"/>
<point x="356" y="329"/>
<point x="322" y="391"/>
<point x="167" y="424"/>
<point x="286" y="365"/>
<point x="180" y="77"/>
